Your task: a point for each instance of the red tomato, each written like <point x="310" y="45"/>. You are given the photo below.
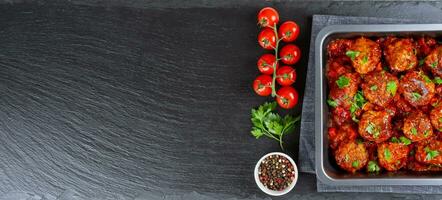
<point x="288" y="31"/>
<point x="266" y="62"/>
<point x="263" y="85"/>
<point x="268" y="17"/>
<point x="290" y="54"/>
<point x="287" y="97"/>
<point x="286" y="75"/>
<point x="267" y="39"/>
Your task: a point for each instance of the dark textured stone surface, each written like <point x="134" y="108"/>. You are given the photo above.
<point x="126" y="99"/>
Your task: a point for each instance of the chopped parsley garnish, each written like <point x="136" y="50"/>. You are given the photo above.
<point x="342" y="82"/>
<point x="437" y="80"/>
<point x="440" y="120"/>
<point x="387" y="154"/>
<point x="405" y="140"/>
<point x="426" y="79"/>
<point x="373" y="166"/>
<point x="421" y="61"/>
<point x="415" y="96"/>
<point x="372" y="129"/>
<point x="434" y="64"/>
<point x="352" y="54"/>
<point x="332" y="103"/>
<point x="430" y="153"/>
<point x="426" y="133"/>
<point x="347" y="158"/>
<point x="413" y="131"/>
<point x="358" y="102"/>
<point x="355" y="164"/>
<point x="394" y="140"/>
<point x="392" y="87"/>
<point x="374" y="88"/>
<point x="364" y="60"/>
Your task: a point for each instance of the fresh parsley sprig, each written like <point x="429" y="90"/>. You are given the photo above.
<point x="268" y="123"/>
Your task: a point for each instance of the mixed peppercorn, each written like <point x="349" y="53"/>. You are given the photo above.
<point x="276" y="172"/>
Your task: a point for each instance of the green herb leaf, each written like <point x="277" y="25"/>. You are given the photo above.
<point x="342" y="82"/>
<point x="421" y="61"/>
<point x="332" y="103"/>
<point x="413" y="131"/>
<point x="434" y="64"/>
<point x="374" y="88"/>
<point x="357" y="103"/>
<point x="387" y="154"/>
<point x="373" y="166"/>
<point x="352" y="54"/>
<point x="270" y="124"/>
<point x="440" y="120"/>
<point x="415" y="96"/>
<point x="364" y="60"/>
<point x="355" y="164"/>
<point x="426" y="79"/>
<point x="437" y="80"/>
<point x="426" y="133"/>
<point x="392" y="87"/>
<point x="430" y="153"/>
<point x="372" y="129"/>
<point x="405" y="140"/>
<point x="394" y="140"/>
<point x="347" y="158"/>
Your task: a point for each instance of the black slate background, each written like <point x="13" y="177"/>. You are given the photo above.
<point x="142" y="99"/>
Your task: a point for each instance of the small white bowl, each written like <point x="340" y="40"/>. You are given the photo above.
<point x="274" y="192"/>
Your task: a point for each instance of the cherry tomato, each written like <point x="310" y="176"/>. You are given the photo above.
<point x="268" y="17"/>
<point x="263" y="85"/>
<point x="286" y="75"/>
<point x="288" y="31"/>
<point x="290" y="54"/>
<point x="267" y="38"/>
<point x="266" y="62"/>
<point x="287" y="97"/>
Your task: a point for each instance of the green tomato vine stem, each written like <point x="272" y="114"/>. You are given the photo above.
<point x="277" y="60"/>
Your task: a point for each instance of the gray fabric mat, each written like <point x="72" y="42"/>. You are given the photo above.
<point x="307" y="135"/>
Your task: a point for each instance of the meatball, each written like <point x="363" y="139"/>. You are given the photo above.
<point x="380" y="87"/>
<point x="340" y="135"/>
<point x="425" y="45"/>
<point x="341" y="115"/>
<point x="343" y="89"/>
<point x="375" y="126"/>
<point x="417" y="127"/>
<point x="417" y="88"/>
<point x="436" y="117"/>
<point x="392" y="156"/>
<point x="429" y="152"/>
<point x="434" y="61"/>
<point x="337" y="67"/>
<point x="351" y="156"/>
<point x="365" y="55"/>
<point x="338" y="47"/>
<point x="400" y="54"/>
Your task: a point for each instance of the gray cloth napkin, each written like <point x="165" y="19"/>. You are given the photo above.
<point x="307" y="136"/>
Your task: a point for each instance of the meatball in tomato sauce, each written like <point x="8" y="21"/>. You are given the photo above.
<point x="434" y="61"/>
<point x="375" y="126"/>
<point x="351" y="156"/>
<point x="365" y="55"/>
<point x="392" y="156"/>
<point x="436" y="117"/>
<point x="338" y="47"/>
<point x="343" y="134"/>
<point x="380" y="87"/>
<point x="343" y="89"/>
<point x="429" y="152"/>
<point x="400" y="54"/>
<point x="417" y="88"/>
<point x="417" y="127"/>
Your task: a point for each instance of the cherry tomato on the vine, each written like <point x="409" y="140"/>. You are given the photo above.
<point x="286" y="75"/>
<point x="266" y="62"/>
<point x="287" y="97"/>
<point x="267" y="38"/>
<point x="268" y="17"/>
<point x="263" y="85"/>
<point x="288" y="31"/>
<point x="290" y="54"/>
